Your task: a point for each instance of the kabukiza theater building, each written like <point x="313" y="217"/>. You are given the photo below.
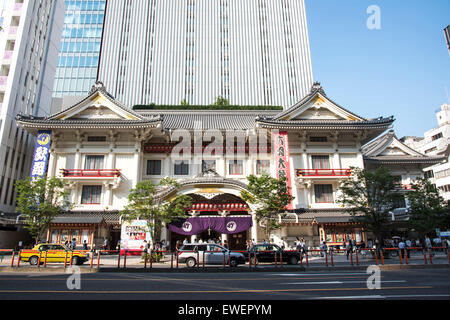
<point x="103" y="148"/>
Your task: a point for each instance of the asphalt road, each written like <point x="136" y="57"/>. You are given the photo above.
<point x="336" y="285"/>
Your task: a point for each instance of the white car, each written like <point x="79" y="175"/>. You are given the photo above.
<point x="211" y="253"/>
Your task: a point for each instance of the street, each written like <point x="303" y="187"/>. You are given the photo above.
<point x="336" y="285"/>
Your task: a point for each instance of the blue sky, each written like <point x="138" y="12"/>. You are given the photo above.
<point x="402" y="69"/>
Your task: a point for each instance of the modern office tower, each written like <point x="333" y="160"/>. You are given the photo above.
<point x="80" y="47"/>
<point x="253" y="52"/>
<point x="447" y="37"/>
<point x="29" y="42"/>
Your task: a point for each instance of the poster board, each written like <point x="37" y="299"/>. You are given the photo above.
<point x="133" y="235"/>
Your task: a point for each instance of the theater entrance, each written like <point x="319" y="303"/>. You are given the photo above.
<point x="210" y="235"/>
<point x="238" y="241"/>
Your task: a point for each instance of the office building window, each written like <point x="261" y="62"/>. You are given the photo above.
<point x="91" y="195"/>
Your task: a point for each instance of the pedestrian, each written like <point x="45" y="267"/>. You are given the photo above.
<point x="85" y="245"/>
<point x="264" y="241"/>
<point x="20" y="246"/>
<point x="363" y="247"/>
<point x="185" y="241"/>
<point x="301" y="248"/>
<point x="74" y="244"/>
<point x="144" y="249"/>
<point x="225" y="244"/>
<point x="324" y="248"/>
<point x="105" y="244"/>
<point x="401" y="247"/>
<point x="349" y="248"/>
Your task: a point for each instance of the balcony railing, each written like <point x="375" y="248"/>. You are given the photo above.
<point x="90" y="173"/>
<point x="324" y="172"/>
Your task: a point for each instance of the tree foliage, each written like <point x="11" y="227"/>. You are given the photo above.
<point x="369" y="196"/>
<point x="144" y="206"/>
<point x="221" y="101"/>
<point x="270" y="196"/>
<point x="39" y="202"/>
<point x="428" y="210"/>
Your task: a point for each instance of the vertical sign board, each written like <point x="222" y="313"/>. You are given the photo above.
<point x="282" y="163"/>
<point x="41" y="153"/>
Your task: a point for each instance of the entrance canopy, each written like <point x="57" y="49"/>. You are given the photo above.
<point x="223" y="225"/>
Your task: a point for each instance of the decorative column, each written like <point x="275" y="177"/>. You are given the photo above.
<point x="79" y="138"/>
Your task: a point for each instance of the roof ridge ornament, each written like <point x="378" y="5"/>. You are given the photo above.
<point x="98" y="86"/>
<point x="317" y="87"/>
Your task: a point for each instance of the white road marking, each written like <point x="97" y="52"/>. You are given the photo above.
<point x="342" y="282"/>
<point x="349" y="297"/>
<point x="316" y="274"/>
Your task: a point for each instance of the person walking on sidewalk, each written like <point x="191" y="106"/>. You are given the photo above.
<point x="401" y="247"/>
<point x="349" y="248"/>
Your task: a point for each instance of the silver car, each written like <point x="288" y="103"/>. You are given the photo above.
<point x="210" y="253"/>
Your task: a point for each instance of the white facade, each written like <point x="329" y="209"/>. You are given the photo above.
<point x="29" y="45"/>
<point x="253" y="52"/>
<point x="102" y="148"/>
<point x="436" y="143"/>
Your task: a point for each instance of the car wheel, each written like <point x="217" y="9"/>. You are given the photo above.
<point x="293" y="260"/>
<point x="190" y="262"/>
<point x="233" y="263"/>
<point x="34" y="260"/>
<point x="75" y="261"/>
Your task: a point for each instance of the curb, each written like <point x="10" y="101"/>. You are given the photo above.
<point x="221" y="270"/>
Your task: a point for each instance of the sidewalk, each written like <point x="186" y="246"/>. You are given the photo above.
<point x="109" y="263"/>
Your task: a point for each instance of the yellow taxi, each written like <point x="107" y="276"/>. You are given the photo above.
<point x="55" y="253"/>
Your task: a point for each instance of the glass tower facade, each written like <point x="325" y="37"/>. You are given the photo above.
<point x="80" y="47"/>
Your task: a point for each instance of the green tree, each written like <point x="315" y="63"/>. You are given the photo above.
<point x="144" y="206"/>
<point x="221" y="101"/>
<point x="270" y="196"/>
<point x="428" y="210"/>
<point x="39" y="202"/>
<point x="369" y="196"/>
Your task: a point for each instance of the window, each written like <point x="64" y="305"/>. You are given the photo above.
<point x="236" y="167"/>
<point x="91" y="195"/>
<point x="96" y="139"/>
<point x="262" y="166"/>
<point x="208" y="165"/>
<point x="430" y="174"/>
<point x="323" y="193"/>
<point x="318" y="139"/>
<point x="94" y="162"/>
<point x="437" y="136"/>
<point x="153" y="167"/>
<point x="320" y="162"/>
<point x="181" y="168"/>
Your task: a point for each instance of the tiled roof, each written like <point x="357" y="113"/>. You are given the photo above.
<point x="211" y="119"/>
<point x="327" y="124"/>
<point x="91" y="217"/>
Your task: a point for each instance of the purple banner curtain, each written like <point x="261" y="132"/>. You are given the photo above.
<point x="224" y="225"/>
